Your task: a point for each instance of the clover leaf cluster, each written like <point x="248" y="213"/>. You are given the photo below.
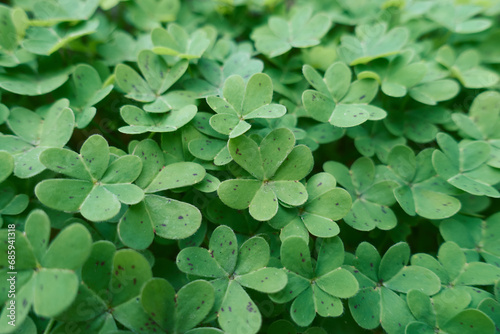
<point x="245" y="166"/>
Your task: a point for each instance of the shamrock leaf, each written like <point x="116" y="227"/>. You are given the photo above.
<point x="111" y="287"/>
<point x="140" y="121"/>
<point x="458" y="18"/>
<point x="397" y="76"/>
<point x="315" y="290"/>
<point x="165" y="217"/>
<point x="242" y="102"/>
<point x="233" y="269"/>
<point x="6" y="165"/>
<point x="11" y="203"/>
<point x="159" y="78"/>
<point x="210" y="147"/>
<point x="372" y="42"/>
<point x="214" y="75"/>
<point x="420" y="190"/>
<point x="181" y="311"/>
<point x="35" y="134"/>
<point x="457" y="278"/>
<point x="475" y="236"/>
<point x="50" y="12"/>
<point x="464" y="166"/>
<point x="371" y="198"/>
<point x="467" y="67"/>
<point x="434" y="87"/>
<point x="85" y="90"/>
<point x="33" y="82"/>
<point x="482" y="123"/>
<point x="427" y="312"/>
<point x="276" y="165"/>
<point x="377" y="302"/>
<point x="98" y="187"/>
<point x="325" y="204"/>
<point x="302" y="31"/>
<point x="39" y="265"/>
<point x="47" y="40"/>
<point x="175" y="41"/>
<point x="336" y="100"/>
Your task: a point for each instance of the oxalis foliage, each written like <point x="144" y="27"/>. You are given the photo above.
<point x="250" y="166"/>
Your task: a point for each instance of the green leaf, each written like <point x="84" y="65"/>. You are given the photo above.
<point x="51" y="299"/>
<point x="267" y="280"/>
<point x="253" y="255"/>
<point x="194" y="301"/>
<point x="238" y="313"/>
<point x="301" y="31"/>
<point x="177" y="175"/>
<point x="473" y="321"/>
<point x="372" y="42"/>
<point x="414" y="277"/>
<point x="339" y="283"/>
<point x="175" y="41"/>
<point x="70" y="249"/>
<point x="47" y="40"/>
<point x="33" y="84"/>
<point x="223" y="247"/>
<point x="165" y="217"/>
<point x="198" y="261"/>
<point x="296" y="257"/>
<point x="129" y="272"/>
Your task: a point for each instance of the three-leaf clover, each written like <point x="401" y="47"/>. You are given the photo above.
<point x="420" y="190"/>
<point x="458" y="18"/>
<point x="464" y="166"/>
<point x="242" y="102"/>
<point x="475" y="236"/>
<point x="158" y="79"/>
<point x="372" y="42"/>
<point x="458" y="277"/>
<point x="46" y="274"/>
<point x="175" y="41"/>
<point x="377" y="301"/>
<point x="111" y="286"/>
<point x="371" y="197"/>
<point x="84" y="91"/>
<point x="336" y="100"/>
<point x="325" y="204"/>
<point x="276" y="166"/>
<point x="398" y="75"/>
<point x="315" y="289"/>
<point x="303" y="30"/>
<point x="466" y="67"/>
<point x="160" y="215"/>
<point x="35" y="133"/>
<point x="431" y="317"/>
<point x="482" y="123"/>
<point x="233" y="268"/>
<point x="99" y="185"/>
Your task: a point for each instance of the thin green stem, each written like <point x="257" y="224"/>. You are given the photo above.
<point x="49" y="326"/>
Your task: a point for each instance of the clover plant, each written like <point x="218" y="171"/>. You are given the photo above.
<point x="245" y="167"/>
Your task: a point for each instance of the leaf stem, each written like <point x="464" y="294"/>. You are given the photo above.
<point x="49" y="326"/>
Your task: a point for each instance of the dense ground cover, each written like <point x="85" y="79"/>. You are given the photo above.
<point x="249" y="166"/>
